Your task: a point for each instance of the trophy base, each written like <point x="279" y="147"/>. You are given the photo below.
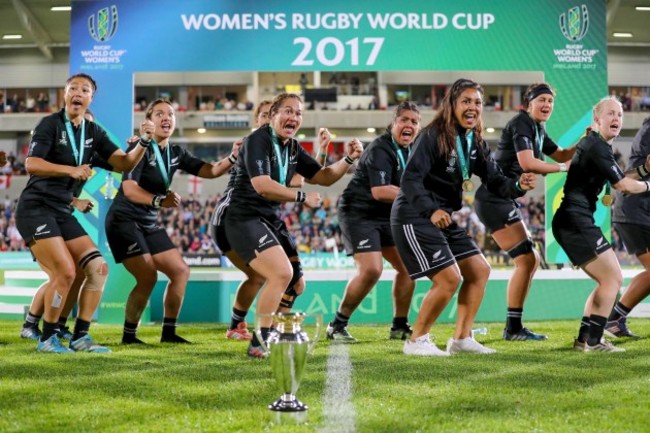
<point x="293" y="405"/>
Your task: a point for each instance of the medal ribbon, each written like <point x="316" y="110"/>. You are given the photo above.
<point x="78" y="152"/>
<point x="399" y="154"/>
<point x="463" y="158"/>
<point x="164" y="169"/>
<point x="282" y="167"/>
<point x="539" y="138"/>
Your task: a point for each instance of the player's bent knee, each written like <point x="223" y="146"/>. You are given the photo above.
<point x="96" y="271"/>
<point x="521" y="248"/>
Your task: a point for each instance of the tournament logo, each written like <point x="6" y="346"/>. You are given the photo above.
<point x="103" y="25"/>
<point x="574" y="26"/>
<point x="575" y="23"/>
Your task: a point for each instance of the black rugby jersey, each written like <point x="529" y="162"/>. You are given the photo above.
<point x="520" y="134"/>
<point x="635" y="208"/>
<point x="431" y="181"/>
<point x="148" y="176"/>
<point x="257" y="157"/>
<point x="379" y="165"/>
<point x="51" y="143"/>
<point x="223" y="203"/>
<point x="592" y="166"/>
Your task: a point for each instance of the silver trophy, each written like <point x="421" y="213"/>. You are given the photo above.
<point x="289" y="346"/>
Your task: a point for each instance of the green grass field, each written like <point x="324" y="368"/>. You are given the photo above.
<point x="211" y="386"/>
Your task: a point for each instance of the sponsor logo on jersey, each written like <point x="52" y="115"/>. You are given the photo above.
<point x="437" y="256"/>
<point x="363" y="244"/>
<point x="40" y="230"/>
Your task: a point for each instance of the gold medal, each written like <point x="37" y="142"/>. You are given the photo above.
<point x="468" y="185"/>
<point x="607" y="200"/>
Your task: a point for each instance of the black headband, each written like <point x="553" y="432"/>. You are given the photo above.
<point x="539" y="90"/>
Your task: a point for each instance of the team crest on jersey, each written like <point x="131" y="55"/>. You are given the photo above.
<point x="63" y="141"/>
<point x="451" y="167"/>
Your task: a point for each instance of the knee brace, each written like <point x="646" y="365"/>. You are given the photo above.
<point x="521" y="248"/>
<point x="297" y="273"/>
<point x="296" y="286"/>
<point x="96" y="271"/>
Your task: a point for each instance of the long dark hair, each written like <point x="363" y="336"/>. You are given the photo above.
<point x="445" y="120"/>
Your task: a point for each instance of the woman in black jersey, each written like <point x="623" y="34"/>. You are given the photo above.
<point x="631" y="218"/>
<point x="593" y="166"/>
<point x="30" y="329"/>
<point x="522" y="147"/>
<point x="270" y="156"/>
<point x="445" y="155"/>
<point x="133" y="234"/>
<point x="253" y="282"/>
<point x="364" y="216"/>
<point x="60" y="152"/>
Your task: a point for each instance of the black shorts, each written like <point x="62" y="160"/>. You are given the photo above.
<point x="129" y="239"/>
<point x="426" y="249"/>
<point x="579" y="236"/>
<point x="218" y="233"/>
<point x="635" y="237"/>
<point x="249" y="237"/>
<point x="48" y="225"/>
<point x="497" y="214"/>
<point x="364" y="237"/>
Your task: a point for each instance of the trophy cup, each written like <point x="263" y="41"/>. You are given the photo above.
<point x="289" y="346"/>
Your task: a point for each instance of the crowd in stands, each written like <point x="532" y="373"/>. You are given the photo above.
<point x="14" y="103"/>
<point x="188" y="225"/>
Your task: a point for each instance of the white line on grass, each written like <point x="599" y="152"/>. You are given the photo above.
<point x="338" y="410"/>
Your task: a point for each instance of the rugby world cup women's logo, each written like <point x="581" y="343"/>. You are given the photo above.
<point x="103" y="25"/>
<point x="574" y="23"/>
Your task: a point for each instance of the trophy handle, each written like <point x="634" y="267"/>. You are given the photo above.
<point x="319" y="326"/>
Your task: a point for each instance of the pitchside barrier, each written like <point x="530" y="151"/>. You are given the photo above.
<point x="554" y="295"/>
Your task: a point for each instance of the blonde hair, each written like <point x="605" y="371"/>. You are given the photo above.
<point x="598" y="108"/>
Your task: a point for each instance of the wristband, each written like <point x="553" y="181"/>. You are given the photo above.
<point x="562" y="167"/>
<point x="647" y="185"/>
<point x="156" y="201"/>
<point x="232" y="158"/>
<point x="301" y="196"/>
<point x="518" y="187"/>
<point x="642" y="171"/>
<point x="144" y="143"/>
<point x="349" y="160"/>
